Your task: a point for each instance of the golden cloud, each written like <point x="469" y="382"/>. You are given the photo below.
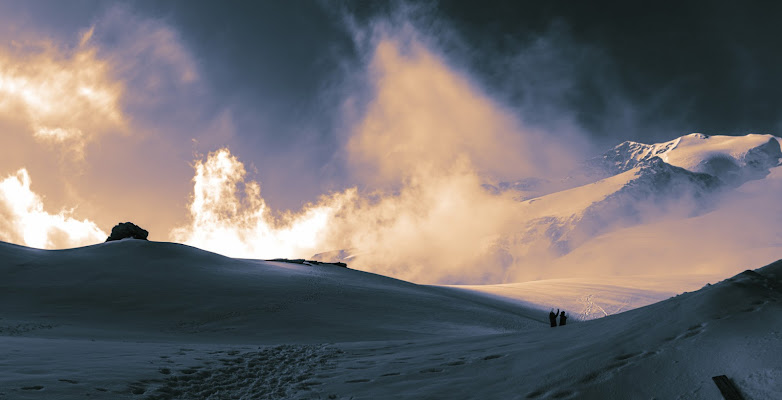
<point x="62" y="96"/>
<point x="82" y="114"/>
<point x="237" y="222"/>
<point x="24" y="220"/>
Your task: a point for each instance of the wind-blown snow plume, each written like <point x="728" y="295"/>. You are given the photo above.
<point x="23" y="219"/>
<point x="425" y="117"/>
<point x="426" y="142"/>
<point x="402" y="234"/>
<point x="237" y="223"/>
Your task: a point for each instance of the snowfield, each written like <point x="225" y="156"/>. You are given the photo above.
<point x="148" y="320"/>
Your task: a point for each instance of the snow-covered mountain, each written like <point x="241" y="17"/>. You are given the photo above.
<point x="147" y="320"/>
<point x="636" y="183"/>
<point x="733" y="159"/>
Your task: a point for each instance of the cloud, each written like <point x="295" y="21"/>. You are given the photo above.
<point x="229" y="216"/>
<point x="424" y="116"/>
<point x="63" y="96"/>
<point x="103" y="113"/>
<point x="148" y="55"/>
<point x="24" y="220"/>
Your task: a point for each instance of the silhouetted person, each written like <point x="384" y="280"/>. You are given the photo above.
<point x="553" y="317"/>
<point x="562" y="318"/>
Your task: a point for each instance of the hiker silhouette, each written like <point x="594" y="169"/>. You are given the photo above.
<point x="562" y="318"/>
<point x="553" y="317"/>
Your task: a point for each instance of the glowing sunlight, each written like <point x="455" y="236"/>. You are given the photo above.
<point x="24" y="220"/>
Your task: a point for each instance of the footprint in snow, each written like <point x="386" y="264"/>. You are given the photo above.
<point x="618" y="362"/>
<point x="627" y="356"/>
<point x="757" y="305"/>
<point x="692" y="331"/>
<point x="137" y="388"/>
<point x="648" y="354"/>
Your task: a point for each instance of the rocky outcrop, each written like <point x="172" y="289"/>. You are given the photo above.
<point x="126" y="230"/>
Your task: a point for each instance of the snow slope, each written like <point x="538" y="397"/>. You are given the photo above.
<point x="146" y="320"/>
<point x="562" y="221"/>
<point x="159" y="291"/>
<point x="645" y="181"/>
<point x="744" y="231"/>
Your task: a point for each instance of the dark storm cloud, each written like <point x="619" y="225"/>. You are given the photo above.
<point x="274" y="64"/>
<point x="679" y="67"/>
<point x="645" y="73"/>
<point x="50" y="18"/>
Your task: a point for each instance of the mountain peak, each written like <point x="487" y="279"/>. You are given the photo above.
<point x="733" y="159"/>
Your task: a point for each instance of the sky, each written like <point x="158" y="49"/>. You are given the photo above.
<point x="255" y="128"/>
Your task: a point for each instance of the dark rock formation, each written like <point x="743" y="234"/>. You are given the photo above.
<point x="308" y="262"/>
<point x="125" y="230"/>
